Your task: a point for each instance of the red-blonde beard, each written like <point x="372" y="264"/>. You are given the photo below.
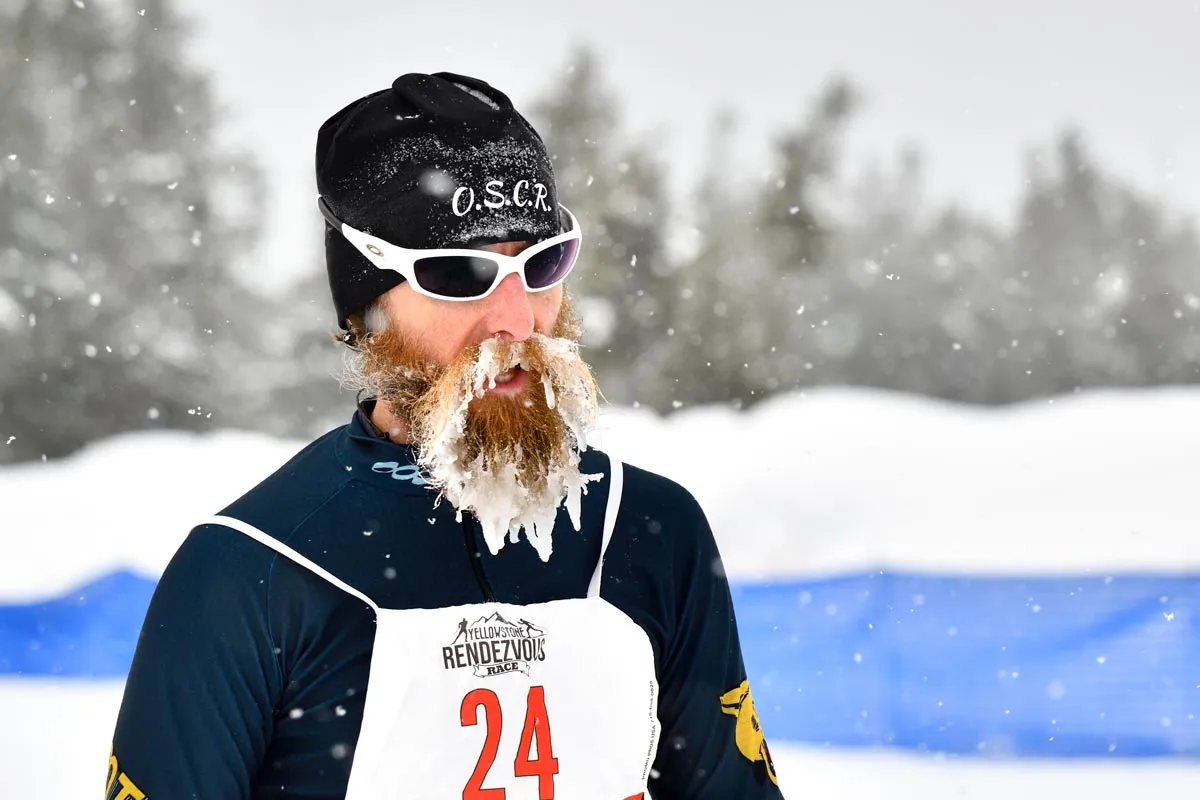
<point x="509" y="459"/>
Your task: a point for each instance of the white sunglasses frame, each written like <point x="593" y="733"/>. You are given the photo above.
<point x="385" y="255"/>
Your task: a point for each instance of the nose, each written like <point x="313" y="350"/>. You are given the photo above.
<point x="509" y="311"/>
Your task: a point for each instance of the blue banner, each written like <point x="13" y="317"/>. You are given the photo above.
<point x="88" y="633"/>
<point x="1056" y="667"/>
<point x="989" y="666"/>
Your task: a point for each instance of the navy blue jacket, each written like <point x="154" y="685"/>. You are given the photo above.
<point x="250" y="672"/>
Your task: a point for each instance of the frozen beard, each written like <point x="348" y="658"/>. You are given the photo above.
<point x="513" y="459"/>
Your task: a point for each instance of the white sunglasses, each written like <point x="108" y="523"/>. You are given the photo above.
<point x="462" y="274"/>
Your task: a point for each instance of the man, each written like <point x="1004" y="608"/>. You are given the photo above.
<point x="452" y="596"/>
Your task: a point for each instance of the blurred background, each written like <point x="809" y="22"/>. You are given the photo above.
<point x="926" y="275"/>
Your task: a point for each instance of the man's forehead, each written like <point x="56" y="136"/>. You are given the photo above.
<point x="510" y="248"/>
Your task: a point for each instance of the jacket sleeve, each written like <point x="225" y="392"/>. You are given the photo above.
<point x="196" y="714"/>
<point x="712" y="746"/>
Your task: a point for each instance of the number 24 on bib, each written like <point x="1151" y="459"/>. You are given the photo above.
<point x="536" y="735"/>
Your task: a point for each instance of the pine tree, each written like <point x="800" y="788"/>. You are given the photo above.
<point x="794" y="231"/>
<point x="720" y="286"/>
<point x="616" y="190"/>
<point x="1103" y="282"/>
<point x="790" y="211"/>
<point x="119" y="221"/>
<point x="920" y="287"/>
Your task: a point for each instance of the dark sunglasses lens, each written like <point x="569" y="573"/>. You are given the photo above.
<point x="455" y="276"/>
<point x="551" y="265"/>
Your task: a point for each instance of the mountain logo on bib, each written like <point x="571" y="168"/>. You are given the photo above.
<point x="491" y="645"/>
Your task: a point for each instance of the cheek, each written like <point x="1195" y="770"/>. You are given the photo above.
<point x="446" y="333"/>
<point x="546" y="306"/>
<point x="439" y="329"/>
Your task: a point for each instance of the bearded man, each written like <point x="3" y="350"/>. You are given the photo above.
<point x="453" y="595"/>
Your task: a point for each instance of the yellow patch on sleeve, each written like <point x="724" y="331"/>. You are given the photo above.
<point x="119" y="786"/>
<point x="748" y="732"/>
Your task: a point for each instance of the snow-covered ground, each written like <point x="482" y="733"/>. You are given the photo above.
<point x="803" y="488"/>
<point x="804" y="485"/>
<point x="55" y="745"/>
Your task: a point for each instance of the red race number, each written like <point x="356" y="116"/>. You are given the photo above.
<point x="469" y="714"/>
<point x="537" y="724"/>
<point x="536" y="728"/>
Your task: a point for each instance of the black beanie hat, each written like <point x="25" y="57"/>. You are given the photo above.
<point x="439" y="160"/>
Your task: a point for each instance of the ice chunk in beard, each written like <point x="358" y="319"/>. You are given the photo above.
<point x="492" y="488"/>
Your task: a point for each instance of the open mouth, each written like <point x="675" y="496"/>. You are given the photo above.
<point x="510" y="381"/>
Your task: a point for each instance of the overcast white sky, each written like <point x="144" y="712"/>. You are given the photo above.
<point x="973" y="82"/>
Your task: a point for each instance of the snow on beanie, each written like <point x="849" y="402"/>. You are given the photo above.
<point x="441" y="160"/>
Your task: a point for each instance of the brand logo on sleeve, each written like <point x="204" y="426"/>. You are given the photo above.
<point x="491" y="645"/>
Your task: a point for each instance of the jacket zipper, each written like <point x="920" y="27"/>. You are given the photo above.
<point x="476" y="565"/>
